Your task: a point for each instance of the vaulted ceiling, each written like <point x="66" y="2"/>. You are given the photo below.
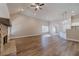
<point x="49" y="12"/>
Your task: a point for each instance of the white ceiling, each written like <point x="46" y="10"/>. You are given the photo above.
<point x="49" y="12"/>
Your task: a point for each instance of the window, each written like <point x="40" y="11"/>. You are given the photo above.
<point x="45" y="29"/>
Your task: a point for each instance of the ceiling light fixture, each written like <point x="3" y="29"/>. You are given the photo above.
<point x="37" y="7"/>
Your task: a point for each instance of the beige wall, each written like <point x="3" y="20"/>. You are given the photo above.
<point x="23" y="26"/>
<point x="4" y="10"/>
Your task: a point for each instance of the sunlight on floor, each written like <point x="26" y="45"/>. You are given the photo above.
<point x="46" y="35"/>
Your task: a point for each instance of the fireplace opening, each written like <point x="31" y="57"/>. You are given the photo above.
<point x="5" y="39"/>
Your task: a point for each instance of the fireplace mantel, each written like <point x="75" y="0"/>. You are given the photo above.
<point x="5" y="21"/>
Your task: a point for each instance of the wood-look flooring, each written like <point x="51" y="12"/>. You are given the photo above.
<point x="46" y="46"/>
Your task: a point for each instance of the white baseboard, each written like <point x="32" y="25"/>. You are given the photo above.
<point x="73" y="39"/>
<point x="24" y="36"/>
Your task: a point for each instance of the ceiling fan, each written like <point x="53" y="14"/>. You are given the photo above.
<point x="37" y="6"/>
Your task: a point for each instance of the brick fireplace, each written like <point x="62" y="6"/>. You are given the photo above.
<point x="4" y="25"/>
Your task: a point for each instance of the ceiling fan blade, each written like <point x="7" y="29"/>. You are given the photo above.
<point x="42" y="4"/>
<point x="37" y="3"/>
<point x="32" y="5"/>
<point x="40" y="8"/>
